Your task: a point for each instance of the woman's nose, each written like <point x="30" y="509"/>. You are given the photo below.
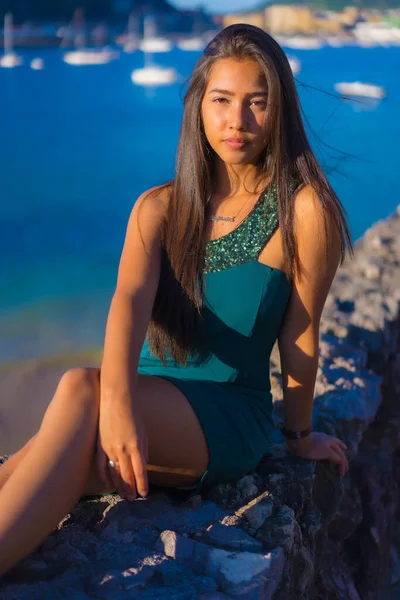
<point x="237" y="117"/>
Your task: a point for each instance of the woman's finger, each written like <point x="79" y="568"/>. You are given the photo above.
<point x="115" y="477"/>
<point x="334" y="456"/>
<point x="127" y="477"/>
<point x="341" y="444"/>
<point x="140" y="471"/>
<point x="339" y="458"/>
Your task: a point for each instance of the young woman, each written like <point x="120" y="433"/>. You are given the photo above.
<point x="239" y="250"/>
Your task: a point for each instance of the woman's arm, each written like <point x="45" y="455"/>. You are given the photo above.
<point x="133" y="300"/>
<point x="319" y="253"/>
<point x="122" y="436"/>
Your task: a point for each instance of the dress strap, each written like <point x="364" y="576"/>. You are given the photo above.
<point x="244" y="243"/>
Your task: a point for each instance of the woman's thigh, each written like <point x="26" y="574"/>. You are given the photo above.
<point x="178" y="453"/>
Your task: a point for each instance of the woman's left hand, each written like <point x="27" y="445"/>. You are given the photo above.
<point x="320" y="446"/>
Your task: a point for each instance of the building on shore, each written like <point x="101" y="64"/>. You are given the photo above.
<point x="296" y="19"/>
<point x="289" y="19"/>
<point x="256" y="18"/>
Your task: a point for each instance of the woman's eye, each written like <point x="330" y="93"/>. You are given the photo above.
<point x="259" y="103"/>
<point x="220" y="100"/>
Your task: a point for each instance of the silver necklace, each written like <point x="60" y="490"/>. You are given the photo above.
<point x="217" y="218"/>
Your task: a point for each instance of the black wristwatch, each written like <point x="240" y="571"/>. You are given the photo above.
<point x="296" y="435"/>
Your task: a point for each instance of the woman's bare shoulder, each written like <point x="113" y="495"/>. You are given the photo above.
<point x="318" y="237"/>
<point x="307" y="203"/>
<point x="311" y="215"/>
<point x="154" y="201"/>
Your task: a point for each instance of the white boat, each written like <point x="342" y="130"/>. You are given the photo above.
<point x="76" y="32"/>
<point x="377" y="34"/>
<point x="89" y="57"/>
<point x="156" y="44"/>
<point x="152" y="42"/>
<point x="9" y="60"/>
<point x="334" y="41"/>
<point x="295" y="64"/>
<point x="303" y="43"/>
<point x="129" y="40"/>
<point x="195" y="43"/>
<point x="130" y="46"/>
<point x="359" y="89"/>
<point x="152" y="75"/>
<point x="37" y="64"/>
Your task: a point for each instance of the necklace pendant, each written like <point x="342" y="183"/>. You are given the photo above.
<point x="217" y="218"/>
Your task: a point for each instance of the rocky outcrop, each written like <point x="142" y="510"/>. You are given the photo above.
<point x="293" y="529"/>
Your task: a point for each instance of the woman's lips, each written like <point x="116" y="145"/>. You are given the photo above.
<point x="235" y="144"/>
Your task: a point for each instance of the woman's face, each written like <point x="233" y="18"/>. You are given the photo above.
<point x="233" y="110"/>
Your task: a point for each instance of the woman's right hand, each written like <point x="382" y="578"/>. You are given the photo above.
<point x="122" y="438"/>
<point x="320" y="446"/>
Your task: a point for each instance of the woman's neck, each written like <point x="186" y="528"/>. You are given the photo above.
<point x="238" y="180"/>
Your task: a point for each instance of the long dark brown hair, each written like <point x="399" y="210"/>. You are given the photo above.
<point x="176" y="319"/>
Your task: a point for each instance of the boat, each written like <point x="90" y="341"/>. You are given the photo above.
<point x="37" y="64"/>
<point x="295" y="64"/>
<point x="195" y="43"/>
<point x="359" y="89"/>
<point x="132" y="42"/>
<point x="152" y="42"/>
<point x="334" y="41"/>
<point x="152" y="75"/>
<point x="377" y="34"/>
<point x="10" y="59"/>
<point x="129" y="40"/>
<point x="83" y="55"/>
<point x="89" y="57"/>
<point x="300" y="42"/>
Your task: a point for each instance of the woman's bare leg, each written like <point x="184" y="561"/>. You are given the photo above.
<point x="7" y="468"/>
<point x="58" y="468"/>
<point x="51" y="477"/>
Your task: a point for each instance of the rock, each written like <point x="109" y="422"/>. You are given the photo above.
<point x="247" y="486"/>
<point x="184" y="520"/>
<point x="328" y="490"/>
<point x="279" y="530"/>
<point x="115" y="583"/>
<point x="75" y="595"/>
<point x="257" y="511"/>
<point x="302" y="572"/>
<point x="244" y="574"/>
<point x="175" y="545"/>
<point x="213" y="596"/>
<point x="222" y="536"/>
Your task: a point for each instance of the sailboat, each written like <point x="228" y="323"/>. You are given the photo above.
<point x="131" y="43"/>
<point x="152" y="75"/>
<point x="10" y="59"/>
<point x="300" y="42"/>
<point x="83" y="55"/>
<point x="194" y="43"/>
<point x="152" y="42"/>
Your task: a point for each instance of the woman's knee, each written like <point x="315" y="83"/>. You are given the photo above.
<point x="81" y="384"/>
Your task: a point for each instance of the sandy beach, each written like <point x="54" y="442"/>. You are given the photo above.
<point x="25" y="391"/>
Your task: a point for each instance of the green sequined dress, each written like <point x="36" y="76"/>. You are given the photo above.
<point x="245" y="302"/>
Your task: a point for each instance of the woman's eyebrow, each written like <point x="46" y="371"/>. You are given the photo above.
<point x="229" y="93"/>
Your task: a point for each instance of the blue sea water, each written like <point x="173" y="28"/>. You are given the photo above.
<point x="79" y="144"/>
